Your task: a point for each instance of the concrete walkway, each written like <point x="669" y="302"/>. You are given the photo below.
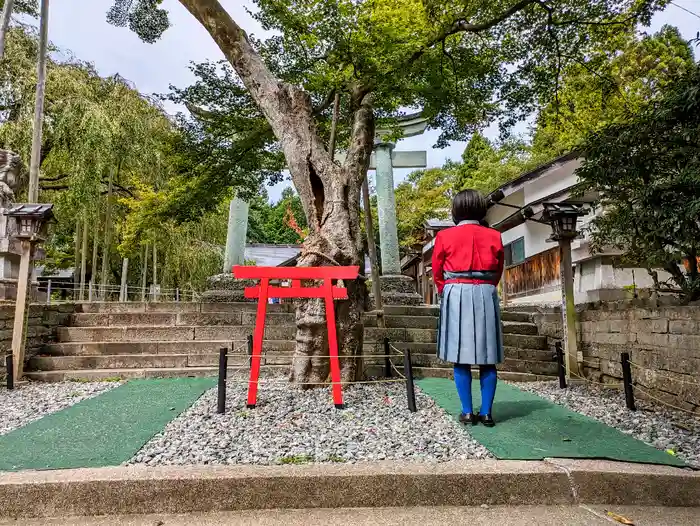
<point x="504" y="515"/>
<point x="202" y="489"/>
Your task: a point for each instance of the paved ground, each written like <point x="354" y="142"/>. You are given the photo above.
<point x="503" y="515"/>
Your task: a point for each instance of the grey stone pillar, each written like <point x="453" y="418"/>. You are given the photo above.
<point x="396" y="289"/>
<point x="223" y="287"/>
<point x="236" y="234"/>
<point x="386" y="208"/>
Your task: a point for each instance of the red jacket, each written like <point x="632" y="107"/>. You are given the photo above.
<point x="467" y="247"/>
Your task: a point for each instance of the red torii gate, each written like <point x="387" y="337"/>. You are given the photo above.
<point x="263" y="292"/>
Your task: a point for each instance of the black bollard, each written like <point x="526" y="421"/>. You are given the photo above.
<point x="561" y="370"/>
<point x="10" y="365"/>
<point x="223" y="364"/>
<point x="387" y="359"/>
<point x="408" y="372"/>
<point x="627" y="381"/>
<point x="250" y="350"/>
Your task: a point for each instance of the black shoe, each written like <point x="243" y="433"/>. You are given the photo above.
<point x="487" y="420"/>
<point x="468" y="418"/>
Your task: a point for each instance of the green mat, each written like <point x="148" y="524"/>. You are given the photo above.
<point x="529" y="427"/>
<point x="102" y="431"/>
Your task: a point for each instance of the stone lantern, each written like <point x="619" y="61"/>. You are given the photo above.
<point x="562" y="217"/>
<point x="30" y="225"/>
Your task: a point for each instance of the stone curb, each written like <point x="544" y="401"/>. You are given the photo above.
<point x="141" y="490"/>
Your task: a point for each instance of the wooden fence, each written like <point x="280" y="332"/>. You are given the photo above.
<point x="535" y="275"/>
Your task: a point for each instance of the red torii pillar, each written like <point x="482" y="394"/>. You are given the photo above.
<point x="263" y="292"/>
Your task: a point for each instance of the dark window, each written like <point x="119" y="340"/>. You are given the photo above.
<point x="515" y="252"/>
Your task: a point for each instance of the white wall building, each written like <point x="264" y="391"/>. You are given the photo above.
<point x="532" y="263"/>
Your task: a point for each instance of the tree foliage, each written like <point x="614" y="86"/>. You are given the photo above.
<point x="25" y="7"/>
<point x="425" y="194"/>
<point x="610" y="85"/>
<point x="647" y="172"/>
<point x="143" y="17"/>
<point x="225" y="143"/>
<point x="463" y="63"/>
<point x="270" y="223"/>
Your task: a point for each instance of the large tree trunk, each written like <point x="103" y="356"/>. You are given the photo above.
<point x="329" y="193"/>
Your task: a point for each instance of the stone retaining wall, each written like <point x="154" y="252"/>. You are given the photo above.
<point x="41" y="328"/>
<point x="663" y="342"/>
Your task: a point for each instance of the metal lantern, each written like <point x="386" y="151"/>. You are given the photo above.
<point x="562" y="217"/>
<point x="31" y="220"/>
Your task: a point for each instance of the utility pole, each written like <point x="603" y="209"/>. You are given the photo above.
<point x="5" y="24"/>
<point x="39" y="104"/>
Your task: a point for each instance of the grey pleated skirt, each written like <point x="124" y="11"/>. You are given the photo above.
<point x="469" y="330"/>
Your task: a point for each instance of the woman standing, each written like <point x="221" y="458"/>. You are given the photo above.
<point x="467" y="266"/>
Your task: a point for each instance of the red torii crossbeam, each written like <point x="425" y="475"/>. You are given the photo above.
<point x="263" y="292"/>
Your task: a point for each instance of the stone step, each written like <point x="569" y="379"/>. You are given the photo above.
<point x="273" y="355"/>
<point x="525" y="341"/>
<point x="513" y="332"/>
<point x="164" y="319"/>
<point x="522" y="317"/>
<point x="175" y="372"/>
<point x="515" y="327"/>
<point x="196" y="333"/>
<point x="96" y="375"/>
<point x="408" y="310"/>
<point x="197" y="347"/>
<point x="175" y="307"/>
<point x="530" y="366"/>
<point x="161" y="333"/>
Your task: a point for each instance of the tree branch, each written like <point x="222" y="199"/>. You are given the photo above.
<point x="278" y="101"/>
<point x="326" y="103"/>
<point x="462" y="26"/>
<point x="53" y="179"/>
<point x="577" y="21"/>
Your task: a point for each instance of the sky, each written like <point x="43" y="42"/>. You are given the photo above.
<point x="80" y="28"/>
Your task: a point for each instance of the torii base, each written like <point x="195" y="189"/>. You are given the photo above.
<point x="397" y="290"/>
<point x="223" y="288"/>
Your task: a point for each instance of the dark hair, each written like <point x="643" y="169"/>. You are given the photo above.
<point x="468" y="205"/>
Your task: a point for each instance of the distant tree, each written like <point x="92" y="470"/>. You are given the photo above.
<point x="486" y="166"/>
<point x="647" y="173"/>
<point x="426" y="194"/>
<point x="610" y="85"/>
<point x="269" y="223"/>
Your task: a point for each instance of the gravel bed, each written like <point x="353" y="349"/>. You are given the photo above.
<point x="32" y="401"/>
<point x="291" y="426"/>
<point x="652" y="423"/>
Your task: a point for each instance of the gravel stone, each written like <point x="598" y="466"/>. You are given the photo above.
<point x="292" y="426"/>
<point x="30" y="402"/>
<point x="652" y="423"/>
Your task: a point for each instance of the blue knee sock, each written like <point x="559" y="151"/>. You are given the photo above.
<point x="487" y="379"/>
<point x="463" y="381"/>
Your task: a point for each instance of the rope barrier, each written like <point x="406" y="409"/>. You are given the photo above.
<point x="239" y="348"/>
<point x="392" y="346"/>
<point x="397" y="371"/>
<point x="664" y="375"/>
<point x="328" y="384"/>
<point x="296" y="356"/>
<point x="617" y="386"/>
<point x="646" y="393"/>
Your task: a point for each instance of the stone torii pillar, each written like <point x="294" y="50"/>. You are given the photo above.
<point x="396" y="288"/>
<point x="222" y="287"/>
<point x="236" y="234"/>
